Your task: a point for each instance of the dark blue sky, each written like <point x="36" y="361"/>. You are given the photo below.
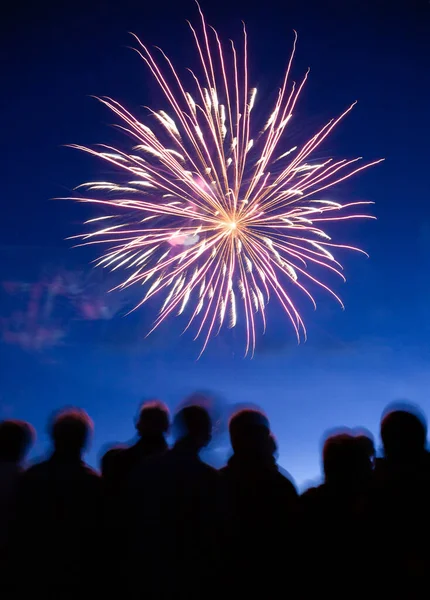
<point x="54" y="56"/>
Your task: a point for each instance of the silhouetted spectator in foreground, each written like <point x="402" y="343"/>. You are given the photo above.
<point x="263" y="509"/>
<point x="336" y="515"/>
<point x="16" y="438"/>
<point x="117" y="463"/>
<point x="174" y="508"/>
<point x="402" y="501"/>
<point x="58" y="515"/>
<point x="152" y="426"/>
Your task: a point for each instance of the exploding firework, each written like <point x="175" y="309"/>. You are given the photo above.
<point x="211" y="217"/>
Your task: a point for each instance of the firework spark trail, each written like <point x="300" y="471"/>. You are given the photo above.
<point x="209" y="214"/>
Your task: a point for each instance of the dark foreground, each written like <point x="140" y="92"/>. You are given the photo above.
<point x="160" y="523"/>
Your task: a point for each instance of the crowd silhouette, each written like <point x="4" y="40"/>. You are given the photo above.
<point x="159" y="522"/>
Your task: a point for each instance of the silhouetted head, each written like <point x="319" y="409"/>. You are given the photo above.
<point x="70" y="431"/>
<point x="193" y="427"/>
<point x="215" y="406"/>
<point x="367" y="445"/>
<point x="250" y="433"/>
<point x="154" y="419"/>
<point x="403" y="434"/>
<point x="16" y="437"/>
<point x="347" y="458"/>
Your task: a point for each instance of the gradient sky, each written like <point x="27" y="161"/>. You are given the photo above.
<point x="54" y="56"/>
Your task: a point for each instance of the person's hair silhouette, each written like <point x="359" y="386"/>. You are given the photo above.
<point x="153" y="419"/>
<point x="347" y="459"/>
<point x="192" y="427"/>
<point x="367" y="444"/>
<point x="403" y="434"/>
<point x="16" y="437"/>
<point x="250" y="433"/>
<point x="70" y="431"/>
<point x="337" y="457"/>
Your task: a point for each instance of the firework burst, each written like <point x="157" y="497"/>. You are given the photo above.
<point x="211" y="217"/>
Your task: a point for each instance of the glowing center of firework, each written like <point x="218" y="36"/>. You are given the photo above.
<point x="232" y="225"/>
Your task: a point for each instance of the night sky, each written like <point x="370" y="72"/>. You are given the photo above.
<point x="63" y="340"/>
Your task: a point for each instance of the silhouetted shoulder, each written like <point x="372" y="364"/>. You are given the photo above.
<point x="36" y="471"/>
<point x="175" y="462"/>
<point x="314" y="490"/>
<point x="90" y="473"/>
<point x="211" y="471"/>
<point x="313" y="498"/>
<point x="310" y="493"/>
<point x="43" y="469"/>
<point x="287" y="483"/>
<point x="110" y="460"/>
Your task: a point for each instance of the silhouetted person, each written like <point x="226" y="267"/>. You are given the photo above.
<point x="215" y="453"/>
<point x="337" y="515"/>
<point x="152" y="426"/>
<point x="263" y="509"/>
<point x="174" y="508"/>
<point x="59" y="511"/>
<point x="16" y="438"/>
<point x="402" y="504"/>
